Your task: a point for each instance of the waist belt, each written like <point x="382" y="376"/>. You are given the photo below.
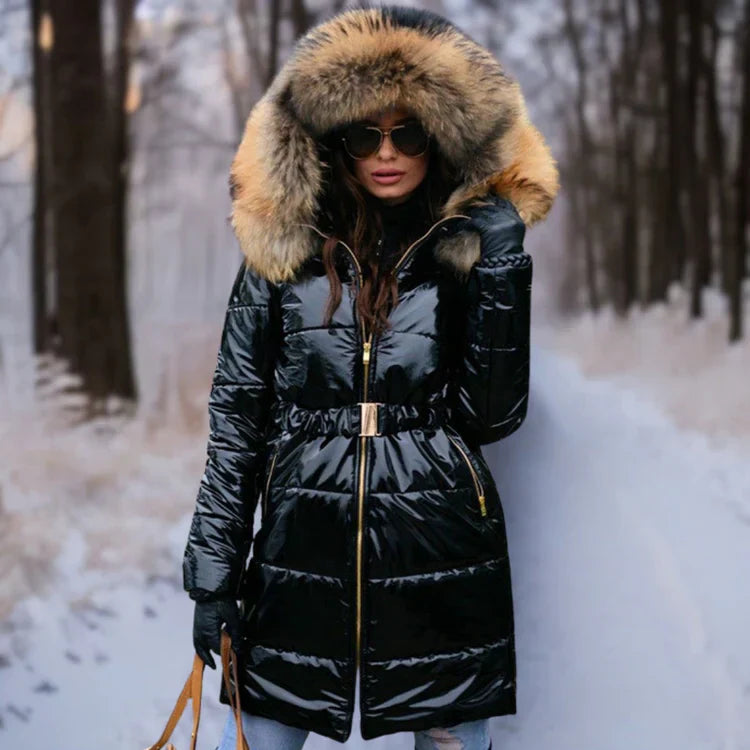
<point x="362" y="418"/>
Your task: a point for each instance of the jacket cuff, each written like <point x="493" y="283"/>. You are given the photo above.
<point x="202" y="595"/>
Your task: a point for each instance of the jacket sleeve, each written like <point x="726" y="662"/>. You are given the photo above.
<point x="490" y="388"/>
<point x="221" y="530"/>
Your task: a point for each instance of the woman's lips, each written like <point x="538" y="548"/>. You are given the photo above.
<point x="387" y="176"/>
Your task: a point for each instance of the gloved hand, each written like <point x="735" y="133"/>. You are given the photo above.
<point x="500" y="227"/>
<point x="483" y="210"/>
<point x="207" y="621"/>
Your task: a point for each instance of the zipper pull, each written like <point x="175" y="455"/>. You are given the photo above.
<point x="482" y="505"/>
<point x="366" y="353"/>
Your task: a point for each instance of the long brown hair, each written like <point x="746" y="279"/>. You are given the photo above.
<point x="350" y="213"/>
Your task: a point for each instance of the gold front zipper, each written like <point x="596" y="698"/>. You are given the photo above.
<point x="366" y="347"/>
<point x="474" y="475"/>
<point x="268" y="480"/>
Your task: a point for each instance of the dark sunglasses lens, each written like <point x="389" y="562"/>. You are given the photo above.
<point x="361" y="141"/>
<point x="411" y="139"/>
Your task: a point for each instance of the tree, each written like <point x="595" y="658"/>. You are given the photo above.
<point x="80" y="195"/>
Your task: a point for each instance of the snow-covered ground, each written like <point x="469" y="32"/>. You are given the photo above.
<point x="630" y="545"/>
<point x="686" y="366"/>
<point x="629" y="540"/>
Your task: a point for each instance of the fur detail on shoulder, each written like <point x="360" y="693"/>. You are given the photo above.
<point x="363" y="60"/>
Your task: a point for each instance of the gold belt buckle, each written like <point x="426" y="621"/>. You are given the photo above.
<point x="368" y="415"/>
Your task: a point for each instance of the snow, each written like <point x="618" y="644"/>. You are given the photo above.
<point x="629" y="544"/>
<point x="629" y="548"/>
<point x="685" y="366"/>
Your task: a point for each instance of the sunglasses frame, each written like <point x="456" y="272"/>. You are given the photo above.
<point x="387" y="132"/>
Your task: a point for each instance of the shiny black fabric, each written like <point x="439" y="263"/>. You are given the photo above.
<point x="435" y="605"/>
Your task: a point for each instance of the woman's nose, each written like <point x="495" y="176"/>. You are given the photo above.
<point x="386" y="147"/>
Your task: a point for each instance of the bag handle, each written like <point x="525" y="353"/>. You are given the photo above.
<point x="227" y="656"/>
<point x="193" y="690"/>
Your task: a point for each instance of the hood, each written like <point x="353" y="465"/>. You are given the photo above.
<point x="359" y="61"/>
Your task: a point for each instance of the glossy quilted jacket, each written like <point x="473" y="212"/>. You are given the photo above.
<point x="381" y="554"/>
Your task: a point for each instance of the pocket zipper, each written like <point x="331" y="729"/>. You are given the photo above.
<point x="474" y="476"/>
<point x="268" y="480"/>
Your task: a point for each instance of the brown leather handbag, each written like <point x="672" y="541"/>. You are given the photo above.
<point x="194" y="688"/>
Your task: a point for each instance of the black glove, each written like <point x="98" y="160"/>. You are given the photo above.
<point x="484" y="210"/>
<point x="499" y="225"/>
<point x="207" y="621"/>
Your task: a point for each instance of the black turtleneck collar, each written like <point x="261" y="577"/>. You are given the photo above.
<point x="398" y="222"/>
<point x="401" y="214"/>
<point x="399" y="211"/>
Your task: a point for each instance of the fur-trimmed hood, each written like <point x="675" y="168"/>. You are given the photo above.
<point x="351" y="65"/>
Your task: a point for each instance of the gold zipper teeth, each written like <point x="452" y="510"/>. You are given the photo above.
<point x="268" y="480"/>
<point x="366" y="345"/>
<point x="477" y="483"/>
<point x="366" y="348"/>
<point x="359" y="549"/>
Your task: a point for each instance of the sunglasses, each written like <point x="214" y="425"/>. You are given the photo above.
<point x="361" y="141"/>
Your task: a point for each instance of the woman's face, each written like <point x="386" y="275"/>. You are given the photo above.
<point x="409" y="171"/>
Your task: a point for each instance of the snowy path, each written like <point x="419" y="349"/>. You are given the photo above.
<point x="630" y="546"/>
<point x="630" y="550"/>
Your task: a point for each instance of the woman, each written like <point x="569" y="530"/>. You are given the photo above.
<point x="377" y="334"/>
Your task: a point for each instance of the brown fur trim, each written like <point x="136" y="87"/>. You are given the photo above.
<point x="356" y="63"/>
<point x="459" y="251"/>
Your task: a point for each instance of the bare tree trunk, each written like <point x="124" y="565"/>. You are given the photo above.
<point x="656" y="256"/>
<point x="90" y="272"/>
<point x="123" y="379"/>
<point x="273" y="42"/>
<point x="657" y="274"/>
<point x="675" y="233"/>
<point x="571" y="275"/>
<point x="236" y="82"/>
<point x="247" y="14"/>
<point x="632" y="43"/>
<point x="740" y="249"/>
<point x="614" y="251"/>
<point x="42" y="248"/>
<point x="584" y="147"/>
<point x="301" y="19"/>
<point x="263" y="53"/>
<point x="718" y="187"/>
<point x="698" y="238"/>
<point x="83" y="210"/>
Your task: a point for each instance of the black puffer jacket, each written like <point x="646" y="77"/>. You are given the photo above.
<point x="382" y="544"/>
